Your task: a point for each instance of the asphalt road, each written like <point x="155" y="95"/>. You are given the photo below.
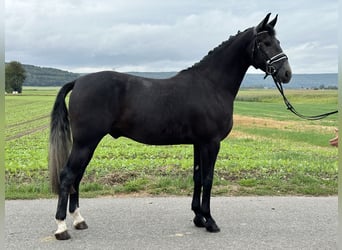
<point x="166" y="223"/>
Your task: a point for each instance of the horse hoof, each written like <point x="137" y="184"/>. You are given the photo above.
<point x="62" y="236"/>
<point x="81" y="226"/>
<point x="199" y="221"/>
<point x="212" y="227"/>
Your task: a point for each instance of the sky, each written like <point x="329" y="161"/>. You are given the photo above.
<point x="152" y="35"/>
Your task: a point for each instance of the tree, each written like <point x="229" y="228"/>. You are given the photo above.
<point x="15" y="76"/>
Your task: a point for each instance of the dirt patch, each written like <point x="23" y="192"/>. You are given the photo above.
<point x="247" y="121"/>
<point x="242" y="135"/>
<point x="117" y="178"/>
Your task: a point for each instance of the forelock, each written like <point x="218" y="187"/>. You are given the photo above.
<point x="271" y="31"/>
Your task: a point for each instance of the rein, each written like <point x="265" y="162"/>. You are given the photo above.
<point x="270" y="69"/>
<point x="293" y="110"/>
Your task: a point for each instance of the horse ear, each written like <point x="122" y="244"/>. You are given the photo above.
<point x="274" y="21"/>
<point x="263" y="23"/>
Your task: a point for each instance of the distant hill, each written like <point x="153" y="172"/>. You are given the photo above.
<point x="298" y="81"/>
<point x="41" y="76"/>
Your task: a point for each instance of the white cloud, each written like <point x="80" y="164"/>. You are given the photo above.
<point x="313" y="57"/>
<point x="159" y="35"/>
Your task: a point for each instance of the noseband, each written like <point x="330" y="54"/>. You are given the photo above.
<point x="270" y="69"/>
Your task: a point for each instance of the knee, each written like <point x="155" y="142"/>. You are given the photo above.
<point x="208" y="182"/>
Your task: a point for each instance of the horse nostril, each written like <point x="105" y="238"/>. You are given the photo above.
<point x="288" y="74"/>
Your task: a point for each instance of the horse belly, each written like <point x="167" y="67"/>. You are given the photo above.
<point x="161" y="135"/>
<point x="176" y="131"/>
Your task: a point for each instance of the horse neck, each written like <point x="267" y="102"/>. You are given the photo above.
<point x="226" y="65"/>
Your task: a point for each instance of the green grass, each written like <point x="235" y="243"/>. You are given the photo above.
<point x="279" y="154"/>
<point x="279" y="111"/>
<point x="294" y="95"/>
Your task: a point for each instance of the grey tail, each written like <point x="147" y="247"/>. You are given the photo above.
<point x="60" y="137"/>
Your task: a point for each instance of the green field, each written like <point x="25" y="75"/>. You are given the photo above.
<point x="269" y="152"/>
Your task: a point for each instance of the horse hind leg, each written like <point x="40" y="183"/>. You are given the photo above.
<point x="62" y="230"/>
<point x="74" y="208"/>
<point x="70" y="178"/>
<point x="79" y="222"/>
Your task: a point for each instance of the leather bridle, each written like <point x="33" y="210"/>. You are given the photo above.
<point x="270" y="68"/>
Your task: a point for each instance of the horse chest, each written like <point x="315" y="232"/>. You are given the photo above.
<point x="218" y="128"/>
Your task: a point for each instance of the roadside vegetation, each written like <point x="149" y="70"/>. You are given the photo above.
<point x="269" y="152"/>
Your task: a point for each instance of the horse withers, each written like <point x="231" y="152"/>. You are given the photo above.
<point x="193" y="107"/>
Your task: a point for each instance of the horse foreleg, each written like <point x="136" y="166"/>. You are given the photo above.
<point x="196" y="199"/>
<point x="208" y="158"/>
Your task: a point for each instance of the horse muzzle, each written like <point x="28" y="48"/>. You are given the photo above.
<point x="284" y="73"/>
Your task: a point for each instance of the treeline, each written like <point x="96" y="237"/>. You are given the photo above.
<point x="41" y="76"/>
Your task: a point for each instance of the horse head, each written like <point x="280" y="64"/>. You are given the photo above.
<point x="267" y="53"/>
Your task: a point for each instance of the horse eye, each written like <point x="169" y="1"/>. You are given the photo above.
<point x="267" y="44"/>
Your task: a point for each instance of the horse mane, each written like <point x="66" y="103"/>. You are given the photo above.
<point x="225" y="44"/>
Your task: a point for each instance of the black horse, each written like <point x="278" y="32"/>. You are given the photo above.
<point x="193" y="107"/>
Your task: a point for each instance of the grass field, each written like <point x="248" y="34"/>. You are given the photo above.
<point x="269" y="152"/>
